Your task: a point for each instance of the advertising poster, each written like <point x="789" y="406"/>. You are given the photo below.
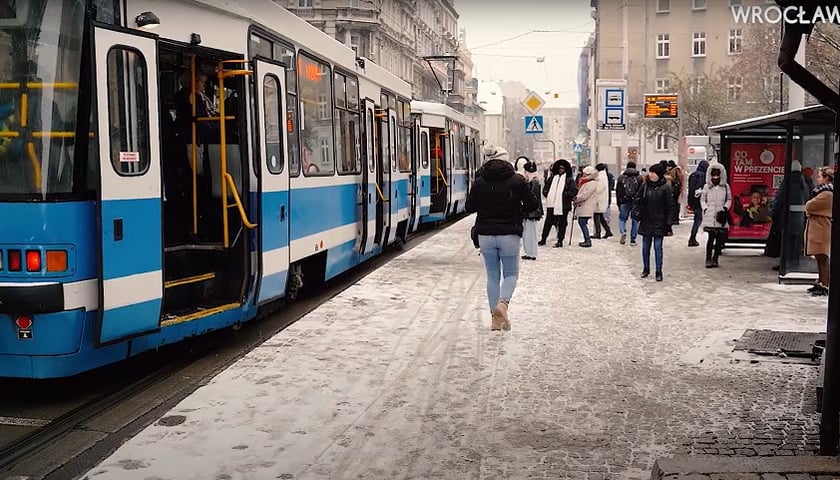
<point x="756" y="171"/>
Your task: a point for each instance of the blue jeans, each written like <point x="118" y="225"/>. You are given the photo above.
<point x="623" y="216"/>
<point x="656" y="242"/>
<point x="698" y="220"/>
<point x="584" y="228"/>
<point x="501" y="260"/>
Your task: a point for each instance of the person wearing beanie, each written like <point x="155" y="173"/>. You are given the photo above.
<point x="627" y="187"/>
<point x="696" y="182"/>
<point x="654" y="210"/>
<point x="499" y="197"/>
<point x="586" y="201"/>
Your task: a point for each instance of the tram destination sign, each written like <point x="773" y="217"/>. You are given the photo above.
<point x="662" y="106"/>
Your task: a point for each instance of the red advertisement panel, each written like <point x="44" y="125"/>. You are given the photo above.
<point x="756" y="171"/>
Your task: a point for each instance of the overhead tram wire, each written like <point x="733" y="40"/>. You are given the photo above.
<point x="570" y="30"/>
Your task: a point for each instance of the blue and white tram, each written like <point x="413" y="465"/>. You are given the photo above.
<point x="160" y="184"/>
<point x="450" y="144"/>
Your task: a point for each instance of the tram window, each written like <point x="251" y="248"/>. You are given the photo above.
<point x="404" y="152"/>
<point x="395" y="145"/>
<point x="286" y="55"/>
<point x="128" y="111"/>
<point x="260" y="47"/>
<point x="340" y="96"/>
<point x="370" y="143"/>
<point x="292" y="134"/>
<point x="352" y="93"/>
<point x="346" y="133"/>
<point x="106" y="11"/>
<point x="273" y="144"/>
<point x="316" y="125"/>
<point x="424" y="150"/>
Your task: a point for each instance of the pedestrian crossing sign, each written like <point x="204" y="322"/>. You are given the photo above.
<point x="534" y="124"/>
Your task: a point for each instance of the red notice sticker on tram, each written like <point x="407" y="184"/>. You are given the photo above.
<point x="129" y="157"/>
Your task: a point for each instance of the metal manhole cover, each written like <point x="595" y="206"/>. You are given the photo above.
<point x="773" y="342"/>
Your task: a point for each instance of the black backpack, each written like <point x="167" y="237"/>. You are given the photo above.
<point x="630" y="186"/>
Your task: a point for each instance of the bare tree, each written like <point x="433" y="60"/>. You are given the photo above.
<point x="822" y="56"/>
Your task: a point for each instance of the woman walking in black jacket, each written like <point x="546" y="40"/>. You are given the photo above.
<point x="654" y="206"/>
<point x="501" y="199"/>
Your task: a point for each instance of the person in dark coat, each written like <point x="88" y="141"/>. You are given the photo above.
<point x="501" y="198"/>
<point x="792" y="193"/>
<point x="655" y="208"/>
<point x="627" y="187"/>
<point x="559" y="192"/>
<point x="696" y="182"/>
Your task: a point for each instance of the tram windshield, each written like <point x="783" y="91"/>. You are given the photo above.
<point x="40" y="56"/>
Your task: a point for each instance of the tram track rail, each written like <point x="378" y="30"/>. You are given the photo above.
<point x="177" y="359"/>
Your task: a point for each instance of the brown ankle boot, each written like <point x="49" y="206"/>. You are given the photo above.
<point x="500" y="316"/>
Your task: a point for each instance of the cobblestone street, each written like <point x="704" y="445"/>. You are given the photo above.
<point x="602" y="373"/>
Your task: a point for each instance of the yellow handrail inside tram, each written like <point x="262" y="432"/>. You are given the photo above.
<point x="229" y="178"/>
<point x="441" y="176"/>
<point x="379" y="192"/>
<point x="36" y="165"/>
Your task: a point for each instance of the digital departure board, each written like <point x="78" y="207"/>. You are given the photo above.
<point x="661" y="106"/>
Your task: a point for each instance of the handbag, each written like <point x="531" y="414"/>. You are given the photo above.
<point x="722" y="217"/>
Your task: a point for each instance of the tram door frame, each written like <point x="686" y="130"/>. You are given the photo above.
<point x="274" y="225"/>
<point x="422" y="168"/>
<point x="130" y="206"/>
<point x="371" y="224"/>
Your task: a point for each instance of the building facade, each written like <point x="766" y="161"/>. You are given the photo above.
<point x="692" y="42"/>
<point x="492" y="101"/>
<point x="398" y="34"/>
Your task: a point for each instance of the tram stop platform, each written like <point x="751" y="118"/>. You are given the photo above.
<point x="603" y="375"/>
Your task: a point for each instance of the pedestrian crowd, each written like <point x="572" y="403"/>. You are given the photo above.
<point x="510" y="201"/>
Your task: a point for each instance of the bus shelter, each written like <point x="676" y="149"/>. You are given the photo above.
<point x="771" y="163"/>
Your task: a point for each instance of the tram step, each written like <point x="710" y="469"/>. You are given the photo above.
<point x="189" y="280"/>
<point x="195" y="246"/>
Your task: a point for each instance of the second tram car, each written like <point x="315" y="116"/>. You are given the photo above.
<point x="160" y="184"/>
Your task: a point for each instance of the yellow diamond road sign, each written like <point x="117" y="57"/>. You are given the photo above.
<point x="533" y="102"/>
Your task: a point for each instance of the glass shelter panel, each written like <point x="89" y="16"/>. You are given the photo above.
<point x="810" y="152"/>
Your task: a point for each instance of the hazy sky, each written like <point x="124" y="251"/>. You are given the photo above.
<point x="489" y="21"/>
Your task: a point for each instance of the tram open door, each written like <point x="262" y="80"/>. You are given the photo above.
<point x="130" y="207"/>
<point x="270" y="87"/>
<point x="373" y="199"/>
<point x="420" y="172"/>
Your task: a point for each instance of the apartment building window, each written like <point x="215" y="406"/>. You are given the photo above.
<point x="698" y="4"/>
<point x="698" y="44"/>
<point x="733" y="88"/>
<point x="736" y="40"/>
<point x="305" y="3"/>
<point x="697" y="85"/>
<point x="661" y="142"/>
<point x="663" y="45"/>
<point x="772" y="86"/>
<point x="734" y="3"/>
<point x="663" y="85"/>
<point x="663" y="6"/>
<point x="354" y="44"/>
<point x="355" y="3"/>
